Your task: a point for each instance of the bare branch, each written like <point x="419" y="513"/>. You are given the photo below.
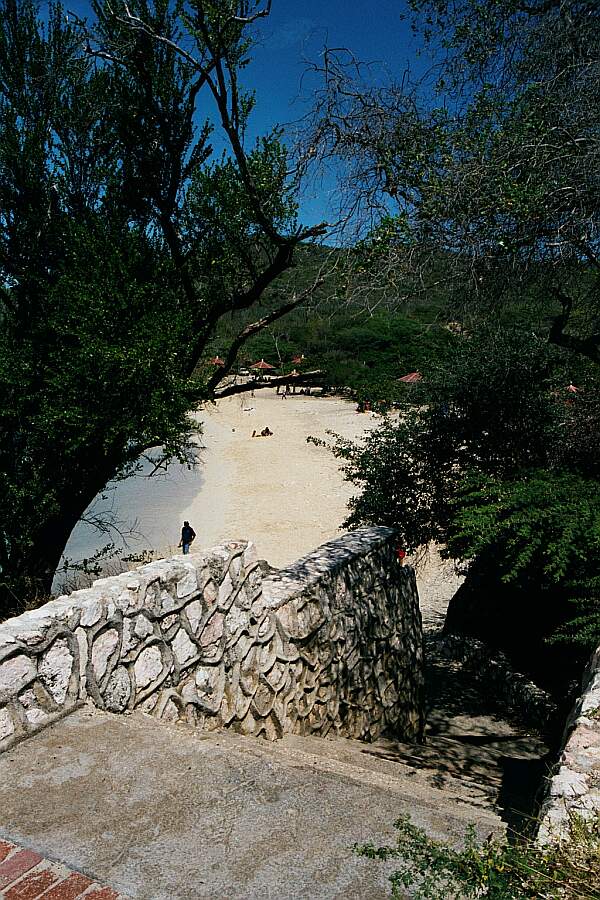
<point x="260" y="14"/>
<point x="305" y="378"/>
<point x="254" y="328"/>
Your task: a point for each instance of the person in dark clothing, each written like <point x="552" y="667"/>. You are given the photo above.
<point x="187" y="537"/>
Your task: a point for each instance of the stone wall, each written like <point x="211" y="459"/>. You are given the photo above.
<point x="493" y="670"/>
<point x="575" y="786"/>
<point x="331" y="644"/>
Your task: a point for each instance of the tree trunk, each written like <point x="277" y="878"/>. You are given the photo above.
<point x="29" y="566"/>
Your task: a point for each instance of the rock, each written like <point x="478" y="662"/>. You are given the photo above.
<point x="167" y="602"/>
<point x="213" y="631"/>
<point x="129" y="640"/>
<point x="210" y="682"/>
<point x="236" y="620"/>
<point x="568" y="784"/>
<point x="143" y="627"/>
<point x="188" y="584"/>
<point x="250" y="555"/>
<point x="149" y="705"/>
<point x="118" y="690"/>
<point x="193" y="612"/>
<point x="6" y="724"/>
<point x="148" y="666"/>
<point x="15" y="674"/>
<point x="210" y="593"/>
<point x="55" y="670"/>
<point x="170" y="712"/>
<point x="225" y="590"/>
<point x="104" y="646"/>
<point x="91" y="613"/>
<point x="183" y="648"/>
<point x="36" y="716"/>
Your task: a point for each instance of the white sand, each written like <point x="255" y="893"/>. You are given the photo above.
<point x="286" y="495"/>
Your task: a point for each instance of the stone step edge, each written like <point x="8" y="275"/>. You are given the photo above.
<point x="428" y="797"/>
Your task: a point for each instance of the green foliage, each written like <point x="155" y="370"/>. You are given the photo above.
<point x="122" y="244"/>
<point x="492" y="460"/>
<point x="545" y="532"/>
<point x="360" y="354"/>
<point x="486" y="405"/>
<point x="566" y="870"/>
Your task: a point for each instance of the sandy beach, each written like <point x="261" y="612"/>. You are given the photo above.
<point x="286" y="495"/>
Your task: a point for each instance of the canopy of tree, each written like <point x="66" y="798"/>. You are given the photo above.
<point x="489" y="194"/>
<point x="123" y="241"/>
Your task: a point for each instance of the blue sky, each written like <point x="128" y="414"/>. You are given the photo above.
<point x="294" y="36"/>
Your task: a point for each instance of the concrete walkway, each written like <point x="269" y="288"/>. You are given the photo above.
<point x="159" y="811"/>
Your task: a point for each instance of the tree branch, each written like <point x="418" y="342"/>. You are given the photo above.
<point x="261" y="14"/>
<point x="255" y="328"/>
<point x="588" y="347"/>
<point x="305" y="378"/>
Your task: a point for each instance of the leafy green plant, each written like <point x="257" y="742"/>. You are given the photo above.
<point x="568" y="869"/>
<point x="544" y="529"/>
<point x="123" y="242"/>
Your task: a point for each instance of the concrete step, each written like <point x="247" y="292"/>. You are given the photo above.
<point x="372" y="764"/>
<point x="476" y="763"/>
<point x="168" y="812"/>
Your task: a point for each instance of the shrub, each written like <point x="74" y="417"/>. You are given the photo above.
<point x="566" y="870"/>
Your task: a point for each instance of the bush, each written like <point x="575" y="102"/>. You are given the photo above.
<point x="544" y="530"/>
<point x="495" y="869"/>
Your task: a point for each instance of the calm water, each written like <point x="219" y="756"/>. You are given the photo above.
<point x="142" y="513"/>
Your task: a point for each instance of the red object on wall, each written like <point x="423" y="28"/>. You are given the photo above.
<point x="401" y="554"/>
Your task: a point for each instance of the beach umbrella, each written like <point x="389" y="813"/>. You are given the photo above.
<point x="262" y="365"/>
<point x="217" y="361"/>
<point x="411" y="378"/>
<point x="298" y="360"/>
<point x="572" y="389"/>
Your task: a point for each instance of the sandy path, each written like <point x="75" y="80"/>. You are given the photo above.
<point x="285" y="494"/>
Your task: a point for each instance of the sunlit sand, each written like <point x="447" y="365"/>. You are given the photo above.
<point x="286" y="495"/>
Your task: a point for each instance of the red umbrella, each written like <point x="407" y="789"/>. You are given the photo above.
<point x="298" y="360"/>
<point x="411" y="378"/>
<point x="262" y="365"/>
<point x="217" y="361"/>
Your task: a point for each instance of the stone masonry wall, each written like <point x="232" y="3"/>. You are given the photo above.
<point x="575" y="786"/>
<point x="331" y="644"/>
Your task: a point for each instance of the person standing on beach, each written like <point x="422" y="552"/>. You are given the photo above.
<point x="187" y="537"/>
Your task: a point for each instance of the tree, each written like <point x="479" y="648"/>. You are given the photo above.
<point x="484" y="176"/>
<point x="480" y="184"/>
<point x="122" y="244"/>
<point x="494" y="459"/>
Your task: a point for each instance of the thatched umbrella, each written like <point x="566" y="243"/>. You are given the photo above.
<point x="264" y="366"/>
<point x="217" y="361"/>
